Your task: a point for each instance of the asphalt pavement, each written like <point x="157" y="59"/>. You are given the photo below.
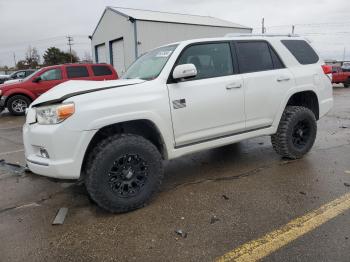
<point x="210" y="204"/>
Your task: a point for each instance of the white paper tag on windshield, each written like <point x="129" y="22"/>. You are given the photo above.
<point x="164" y="53"/>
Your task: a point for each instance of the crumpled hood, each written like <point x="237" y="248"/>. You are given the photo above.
<point x="79" y="87"/>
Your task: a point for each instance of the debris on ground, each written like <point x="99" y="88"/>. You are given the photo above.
<point x="302" y="192"/>
<point x="61" y="216"/>
<point x="181" y="233"/>
<point x="347" y="184"/>
<point x="261" y="143"/>
<point x="225" y="197"/>
<point x="182" y="218"/>
<point x="214" y="219"/>
<point x="31" y="205"/>
<point x="344" y="127"/>
<point x="11" y="168"/>
<point x="347" y="172"/>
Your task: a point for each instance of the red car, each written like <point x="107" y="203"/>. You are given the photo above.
<point x="18" y="96"/>
<point x="340" y="76"/>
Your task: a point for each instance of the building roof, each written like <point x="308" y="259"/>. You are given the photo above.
<point x="148" y="15"/>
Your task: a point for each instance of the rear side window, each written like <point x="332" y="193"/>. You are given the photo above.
<point x="77" y="71"/>
<point x="257" y="56"/>
<point x="101" y="70"/>
<point x="302" y="51"/>
<point x="277" y="63"/>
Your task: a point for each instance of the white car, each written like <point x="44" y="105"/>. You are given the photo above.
<point x="176" y="100"/>
<point x="12" y="81"/>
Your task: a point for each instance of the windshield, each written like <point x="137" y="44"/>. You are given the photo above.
<point x="151" y="64"/>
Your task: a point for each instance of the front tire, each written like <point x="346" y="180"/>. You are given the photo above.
<point x="18" y="104"/>
<point x="296" y="132"/>
<point x="123" y="173"/>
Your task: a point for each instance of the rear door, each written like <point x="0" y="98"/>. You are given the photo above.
<point x="211" y="105"/>
<point x="266" y="80"/>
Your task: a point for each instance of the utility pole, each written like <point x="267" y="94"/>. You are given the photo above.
<point x="70" y="43"/>
<point x="344" y="53"/>
<point x="293" y="29"/>
<point x="14" y="59"/>
<point x="263" y="26"/>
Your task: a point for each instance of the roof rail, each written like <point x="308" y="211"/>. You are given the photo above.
<point x="267" y="35"/>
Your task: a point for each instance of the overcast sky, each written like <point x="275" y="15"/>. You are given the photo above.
<point x="45" y="23"/>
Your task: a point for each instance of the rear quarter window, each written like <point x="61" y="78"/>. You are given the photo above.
<point x="302" y="51"/>
<point x="77" y="71"/>
<point x="101" y="70"/>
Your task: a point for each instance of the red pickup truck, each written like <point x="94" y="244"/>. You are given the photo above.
<point x="18" y="96"/>
<point x="340" y="76"/>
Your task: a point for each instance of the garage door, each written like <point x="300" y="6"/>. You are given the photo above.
<point x="118" y="56"/>
<point x="101" y="54"/>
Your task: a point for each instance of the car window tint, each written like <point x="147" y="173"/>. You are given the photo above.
<point x="101" y="70"/>
<point x="254" y="57"/>
<point x="29" y="73"/>
<point x="77" y="71"/>
<point x="277" y="63"/>
<point x="211" y="60"/>
<point x="302" y="51"/>
<point x="52" y="74"/>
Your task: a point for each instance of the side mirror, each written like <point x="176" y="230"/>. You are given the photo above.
<point x="185" y="71"/>
<point x="37" y="79"/>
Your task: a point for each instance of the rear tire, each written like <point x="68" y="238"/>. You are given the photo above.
<point x="296" y="132"/>
<point x="123" y="173"/>
<point x="18" y="104"/>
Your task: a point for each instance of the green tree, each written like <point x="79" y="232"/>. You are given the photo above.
<point x="54" y="56"/>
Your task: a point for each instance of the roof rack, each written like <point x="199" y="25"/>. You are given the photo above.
<point x="267" y="35"/>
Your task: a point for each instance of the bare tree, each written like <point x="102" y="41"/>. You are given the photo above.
<point x="32" y="57"/>
<point x="87" y="57"/>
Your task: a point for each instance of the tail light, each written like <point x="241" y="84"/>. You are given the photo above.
<point x="327" y="69"/>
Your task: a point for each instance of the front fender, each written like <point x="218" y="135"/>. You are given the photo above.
<point x="19" y="91"/>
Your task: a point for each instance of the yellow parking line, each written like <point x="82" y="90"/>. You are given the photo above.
<point x="262" y="247"/>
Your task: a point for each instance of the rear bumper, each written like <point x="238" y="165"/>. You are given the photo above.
<point x="325" y="106"/>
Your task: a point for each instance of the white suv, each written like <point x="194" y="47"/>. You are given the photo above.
<point x="175" y="100"/>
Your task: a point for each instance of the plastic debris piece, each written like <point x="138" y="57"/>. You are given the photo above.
<point x="214" y="219"/>
<point x="225" y="197"/>
<point x="181" y="233"/>
<point x="61" y="216"/>
<point x="347" y="184"/>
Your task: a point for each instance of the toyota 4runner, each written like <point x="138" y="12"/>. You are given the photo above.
<point x="175" y="100"/>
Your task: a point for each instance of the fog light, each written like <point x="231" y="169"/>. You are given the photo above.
<point x="43" y="153"/>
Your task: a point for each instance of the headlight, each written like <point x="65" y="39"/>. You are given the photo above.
<point x="51" y="115"/>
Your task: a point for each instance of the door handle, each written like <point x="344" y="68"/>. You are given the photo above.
<point x="233" y="86"/>
<point x="283" y="78"/>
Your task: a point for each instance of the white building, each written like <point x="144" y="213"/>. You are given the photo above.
<point x="123" y="34"/>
